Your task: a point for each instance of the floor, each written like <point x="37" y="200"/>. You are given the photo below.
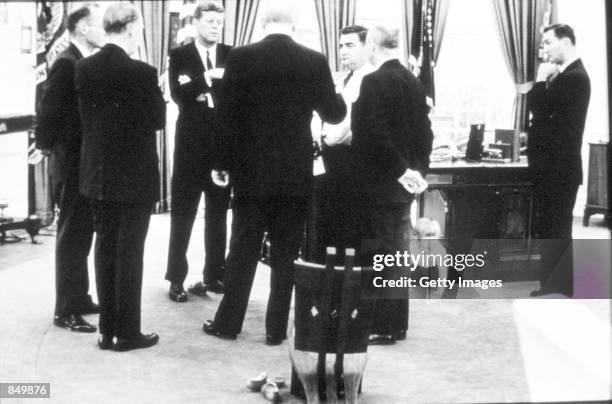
<point x="465" y="350"/>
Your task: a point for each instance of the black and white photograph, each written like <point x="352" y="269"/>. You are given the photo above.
<point x="305" y="201"/>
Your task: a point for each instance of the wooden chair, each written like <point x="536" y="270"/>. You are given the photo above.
<point x="332" y="322"/>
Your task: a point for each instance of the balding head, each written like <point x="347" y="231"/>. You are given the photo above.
<point x="383" y="43"/>
<point x="384" y="36"/>
<point x="280" y="12"/>
<point x="123" y="23"/>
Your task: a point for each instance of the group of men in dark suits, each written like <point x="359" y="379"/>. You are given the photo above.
<point x="58" y="132"/>
<point x="258" y="102"/>
<point x="265" y="147"/>
<point x="102" y="112"/>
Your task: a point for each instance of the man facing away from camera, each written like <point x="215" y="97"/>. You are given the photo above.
<point x="59" y="132"/>
<point x="270" y="90"/>
<point x="194" y="75"/>
<point x="121" y="109"/>
<point x="558" y="103"/>
<point x="392" y="138"/>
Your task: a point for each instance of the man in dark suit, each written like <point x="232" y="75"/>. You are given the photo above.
<point x="270" y="91"/>
<point x="195" y="70"/>
<point x="558" y="103"/>
<point x="392" y="138"/>
<point x="121" y="108"/>
<point x="59" y="131"/>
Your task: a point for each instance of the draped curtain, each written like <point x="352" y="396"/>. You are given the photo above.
<point x="156" y="19"/>
<point x="422" y="28"/>
<point x="240" y="19"/>
<point x="332" y="16"/>
<point x="520" y="23"/>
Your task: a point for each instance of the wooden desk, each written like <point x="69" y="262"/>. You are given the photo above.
<point x="482" y="200"/>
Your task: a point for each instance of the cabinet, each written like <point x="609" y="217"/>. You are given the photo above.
<point x="597" y="183"/>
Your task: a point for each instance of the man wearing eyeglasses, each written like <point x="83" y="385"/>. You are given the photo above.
<point x="195" y="71"/>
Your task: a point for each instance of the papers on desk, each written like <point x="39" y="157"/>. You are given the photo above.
<point x="444" y="151"/>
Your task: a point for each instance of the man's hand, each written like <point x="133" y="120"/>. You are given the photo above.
<point x="547" y="70"/>
<point x="183" y="79"/>
<point x="220" y="178"/>
<point x="413" y="181"/>
<point x="35" y="155"/>
<point x="214" y="74"/>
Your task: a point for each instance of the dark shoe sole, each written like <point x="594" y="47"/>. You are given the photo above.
<point x="197" y="289"/>
<point x="382" y="340"/>
<point x="127" y="345"/>
<point x="76" y="328"/>
<point x="210" y="329"/>
<point x="105" y="344"/>
<point x="178" y="298"/>
<point x="274" y="341"/>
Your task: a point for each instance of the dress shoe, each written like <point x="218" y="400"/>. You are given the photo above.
<point x="399" y="335"/>
<point x="177" y="293"/>
<point x="141" y="341"/>
<point x="198" y="289"/>
<point x="381" y="339"/>
<point x="274" y="340"/>
<point x="105" y="342"/>
<point x="210" y="328"/>
<point x="89" y="307"/>
<point x="215" y="286"/>
<point x="74" y="322"/>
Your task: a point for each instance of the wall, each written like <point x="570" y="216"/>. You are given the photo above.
<point x="17" y="85"/>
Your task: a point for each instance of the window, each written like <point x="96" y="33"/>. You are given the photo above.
<point x="473" y="84"/>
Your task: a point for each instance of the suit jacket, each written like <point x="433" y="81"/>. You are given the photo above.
<point x="59" y="126"/>
<point x="391" y="131"/>
<point x="195" y="123"/>
<point x="558" y="114"/>
<point x="270" y="90"/>
<point x="121" y="108"/>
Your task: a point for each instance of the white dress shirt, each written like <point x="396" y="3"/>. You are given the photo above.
<point x="212" y="53"/>
<point x="341" y="133"/>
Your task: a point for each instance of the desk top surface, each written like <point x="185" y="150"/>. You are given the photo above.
<point x="467" y="165"/>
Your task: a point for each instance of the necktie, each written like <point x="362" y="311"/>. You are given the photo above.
<point x="348" y="77"/>
<point x="209" y="65"/>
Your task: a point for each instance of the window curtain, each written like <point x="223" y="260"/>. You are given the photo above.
<point x="422" y="27"/>
<point x="520" y="23"/>
<point x="240" y="19"/>
<point x="332" y="16"/>
<point x="156" y="19"/>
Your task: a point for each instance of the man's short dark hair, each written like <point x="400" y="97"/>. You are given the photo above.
<point x="362" y="32"/>
<point x="118" y="16"/>
<point x="78" y="14"/>
<point x="207" y="6"/>
<point x="562" y="31"/>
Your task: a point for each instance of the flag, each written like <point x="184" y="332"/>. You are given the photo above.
<point x="51" y="40"/>
<point x="427" y="51"/>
